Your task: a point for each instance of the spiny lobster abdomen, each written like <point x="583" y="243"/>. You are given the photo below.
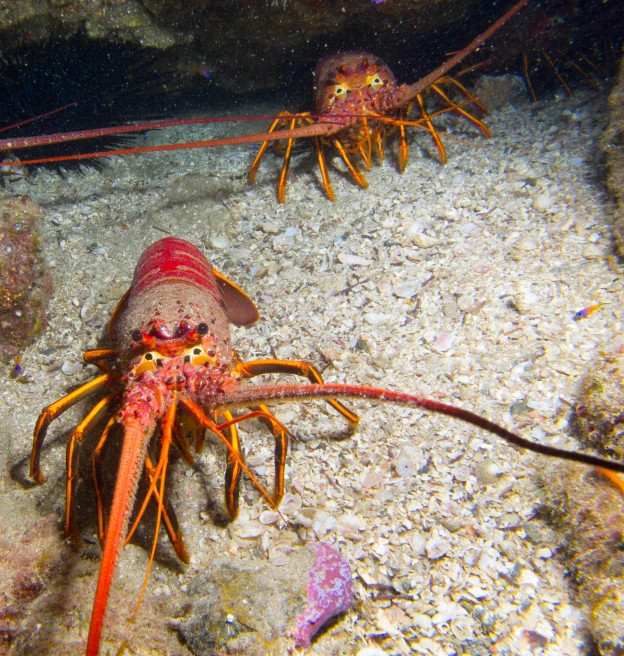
<point x="173" y="282"/>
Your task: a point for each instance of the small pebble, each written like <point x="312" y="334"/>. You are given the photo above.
<point x="436" y="548"/>
<point x="542" y="201"/>
<point x="425" y="241"/>
<point x="444" y="342"/>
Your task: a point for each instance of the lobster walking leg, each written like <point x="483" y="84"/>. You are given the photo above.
<point x="298" y="368"/>
<point x="57" y="408"/>
<point x="169" y="517"/>
<point x="460" y="110"/>
<point x="98" y="479"/>
<point x="357" y="176"/>
<point x="281" y="434"/>
<point x="232" y="469"/>
<point x="73" y="461"/>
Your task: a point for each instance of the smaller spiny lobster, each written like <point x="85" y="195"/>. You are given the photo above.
<point x="177" y="369"/>
<point x="358" y="103"/>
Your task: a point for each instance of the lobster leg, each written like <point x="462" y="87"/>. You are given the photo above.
<point x="57" y="408"/>
<point x="208" y="423"/>
<point x="556" y="73"/>
<point x="434" y="133"/>
<point x="98" y="357"/>
<point x="281" y="434"/>
<point x="281" y="187"/>
<point x="232" y="469"/>
<point x="298" y="368"/>
<point x="97" y="477"/>
<point x="527" y="77"/>
<point x="467" y="115"/>
<point x="357" y="176"/>
<point x="473" y="100"/>
<point x="169" y="518"/>
<point x="73" y="461"/>
<point x="323" y="166"/>
<point x="261" y="152"/>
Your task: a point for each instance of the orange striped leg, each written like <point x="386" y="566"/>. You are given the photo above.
<point x="323" y="166"/>
<point x="98" y="357"/>
<point x="210" y="425"/>
<point x="483" y="128"/>
<point x="357" y="176"/>
<point x="73" y="462"/>
<point x="527" y="77"/>
<point x="169" y="517"/>
<point x="159" y="495"/>
<point x="403" y="149"/>
<point x="379" y="143"/>
<point x="472" y="99"/>
<point x="232" y="468"/>
<point x="281" y="434"/>
<point x="587" y="77"/>
<point x="296" y="367"/>
<point x="434" y="133"/>
<point x="556" y="73"/>
<point x="57" y="408"/>
<point x="98" y="482"/>
<point x="281" y="187"/>
<point x="261" y="152"/>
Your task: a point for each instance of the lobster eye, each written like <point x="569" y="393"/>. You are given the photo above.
<point x="137" y="336"/>
<point x="376" y="82"/>
<point x="339" y="91"/>
<point x="202" y="329"/>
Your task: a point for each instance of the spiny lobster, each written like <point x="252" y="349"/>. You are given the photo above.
<point x="358" y="102"/>
<point x="175" y="366"/>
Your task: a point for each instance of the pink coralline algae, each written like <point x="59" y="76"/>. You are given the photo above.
<point x="330" y="592"/>
<point x="24" y="282"/>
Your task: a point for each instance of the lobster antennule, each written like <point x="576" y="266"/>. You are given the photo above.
<point x="251" y="395"/>
<point x="407" y="92"/>
<point x="135" y="441"/>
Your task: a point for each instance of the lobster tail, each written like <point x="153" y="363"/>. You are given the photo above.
<point x="135" y="441"/>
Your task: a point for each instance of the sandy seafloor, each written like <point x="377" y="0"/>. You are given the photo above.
<point x="502" y="277"/>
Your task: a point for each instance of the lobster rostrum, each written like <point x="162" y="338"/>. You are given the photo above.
<point x="176" y="368"/>
<point x="358" y="102"/>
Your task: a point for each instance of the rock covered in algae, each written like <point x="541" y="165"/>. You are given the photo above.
<point x="24" y="282"/>
<point x="330" y="592"/>
<point x="587" y="511"/>
<point x="586" y="506"/>
<point x="599" y="412"/>
<point x="613" y="147"/>
<point x="255" y="607"/>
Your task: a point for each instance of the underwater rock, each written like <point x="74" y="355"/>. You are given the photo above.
<point x="598" y="413"/>
<point x="29" y="558"/>
<point x="587" y="511"/>
<point x="500" y="90"/>
<point x="255" y="607"/>
<point x="330" y="592"/>
<point x="242" y="44"/>
<point x="613" y="147"/>
<point x="25" y="284"/>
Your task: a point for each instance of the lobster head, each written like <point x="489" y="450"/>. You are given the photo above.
<point x="350" y="80"/>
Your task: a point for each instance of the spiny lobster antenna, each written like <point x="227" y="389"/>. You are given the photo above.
<point x="253" y="394"/>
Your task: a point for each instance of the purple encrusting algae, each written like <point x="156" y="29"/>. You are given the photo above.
<point x="330" y="592"/>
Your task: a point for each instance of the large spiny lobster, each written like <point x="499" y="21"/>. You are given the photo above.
<point x="176" y="366"/>
<point x="358" y="103"/>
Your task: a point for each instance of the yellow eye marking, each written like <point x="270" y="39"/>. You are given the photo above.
<point x="196" y="355"/>
<point x="148" y="362"/>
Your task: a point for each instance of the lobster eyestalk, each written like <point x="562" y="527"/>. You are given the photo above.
<point x="137" y="433"/>
<point x="407" y="92"/>
<point x="254" y="394"/>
